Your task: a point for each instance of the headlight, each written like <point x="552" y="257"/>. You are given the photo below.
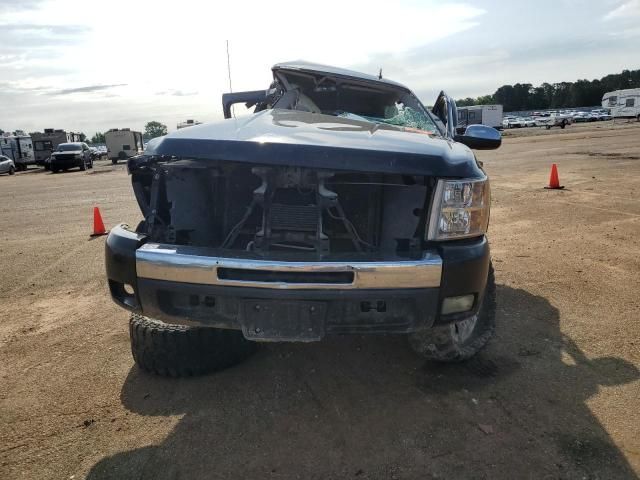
<point x="460" y="209"/>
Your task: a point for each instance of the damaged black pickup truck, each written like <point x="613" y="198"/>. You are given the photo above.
<point x="340" y="206"/>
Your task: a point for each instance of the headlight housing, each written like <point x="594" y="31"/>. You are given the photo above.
<point x="460" y="209"/>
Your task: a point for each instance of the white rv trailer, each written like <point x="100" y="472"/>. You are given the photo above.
<point x="47" y="142"/>
<point x="623" y="103"/>
<point x="123" y="143"/>
<point x="188" y="123"/>
<point x="19" y="148"/>
<point x="490" y="115"/>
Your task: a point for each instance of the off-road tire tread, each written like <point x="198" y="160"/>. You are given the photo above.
<point x="437" y="344"/>
<point x="182" y="351"/>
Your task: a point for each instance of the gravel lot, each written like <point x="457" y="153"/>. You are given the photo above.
<point x="555" y="396"/>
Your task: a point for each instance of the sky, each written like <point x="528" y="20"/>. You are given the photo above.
<point x="88" y="66"/>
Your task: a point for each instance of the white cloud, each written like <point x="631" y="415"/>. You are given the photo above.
<point x="169" y="58"/>
<point x="180" y="49"/>
<point x="627" y="10"/>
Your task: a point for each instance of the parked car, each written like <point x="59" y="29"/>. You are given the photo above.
<point x="580" y="117"/>
<point x="511" y="122"/>
<point x="341" y="206"/>
<point x="46" y="143"/>
<point x="555" y="119"/>
<point x="7" y="165"/>
<point x="600" y="115"/>
<point x="527" y="122"/>
<point x="95" y="153"/>
<point x="70" y="155"/>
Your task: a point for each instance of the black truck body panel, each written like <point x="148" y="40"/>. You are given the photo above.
<point x="302" y="139"/>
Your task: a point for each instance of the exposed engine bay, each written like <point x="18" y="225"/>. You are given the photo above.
<point x="269" y="210"/>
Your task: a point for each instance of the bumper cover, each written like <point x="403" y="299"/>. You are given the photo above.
<point x="195" y="265"/>
<point x="292" y="300"/>
<point x="66" y="162"/>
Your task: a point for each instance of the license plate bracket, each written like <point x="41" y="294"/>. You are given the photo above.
<point x="283" y="321"/>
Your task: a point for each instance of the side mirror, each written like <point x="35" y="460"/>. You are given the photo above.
<point x="249" y="98"/>
<point x="480" y="137"/>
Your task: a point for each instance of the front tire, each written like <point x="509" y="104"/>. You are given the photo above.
<point x="12" y="170"/>
<point x="459" y="341"/>
<point x="181" y="351"/>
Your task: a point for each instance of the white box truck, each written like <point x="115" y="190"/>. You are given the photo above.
<point x="123" y="143"/>
<point x="490" y="115"/>
<point x="623" y="103"/>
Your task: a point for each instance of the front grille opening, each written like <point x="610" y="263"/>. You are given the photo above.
<point x="270" y="276"/>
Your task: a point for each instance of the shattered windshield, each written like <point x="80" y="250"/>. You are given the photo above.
<point x="365" y="101"/>
<point x="399" y="115"/>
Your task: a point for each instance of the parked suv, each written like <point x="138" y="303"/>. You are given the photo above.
<point x="341" y="206"/>
<point x="70" y="155"/>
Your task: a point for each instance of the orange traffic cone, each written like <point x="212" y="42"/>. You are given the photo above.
<point x="98" y="225"/>
<point x="554" y="181"/>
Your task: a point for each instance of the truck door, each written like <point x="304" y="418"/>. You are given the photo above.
<point x="446" y="110"/>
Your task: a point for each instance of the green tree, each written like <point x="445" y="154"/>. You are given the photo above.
<point x="485" y="100"/>
<point x="98" y="138"/>
<point x="465" y="102"/>
<point x="481" y="100"/>
<point x="83" y="137"/>
<point x="154" y="129"/>
<point x="581" y="93"/>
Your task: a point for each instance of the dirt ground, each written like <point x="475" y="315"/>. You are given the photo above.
<point x="555" y="396"/>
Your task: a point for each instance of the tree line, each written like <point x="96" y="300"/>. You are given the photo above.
<point x="581" y="93"/>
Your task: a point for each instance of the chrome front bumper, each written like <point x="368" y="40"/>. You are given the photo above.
<point x="195" y="265"/>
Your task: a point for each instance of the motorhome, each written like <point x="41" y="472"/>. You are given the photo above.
<point x="47" y="142"/>
<point x="18" y="147"/>
<point x="623" y="103"/>
<point x="188" y="123"/>
<point x="490" y="115"/>
<point x="123" y="143"/>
